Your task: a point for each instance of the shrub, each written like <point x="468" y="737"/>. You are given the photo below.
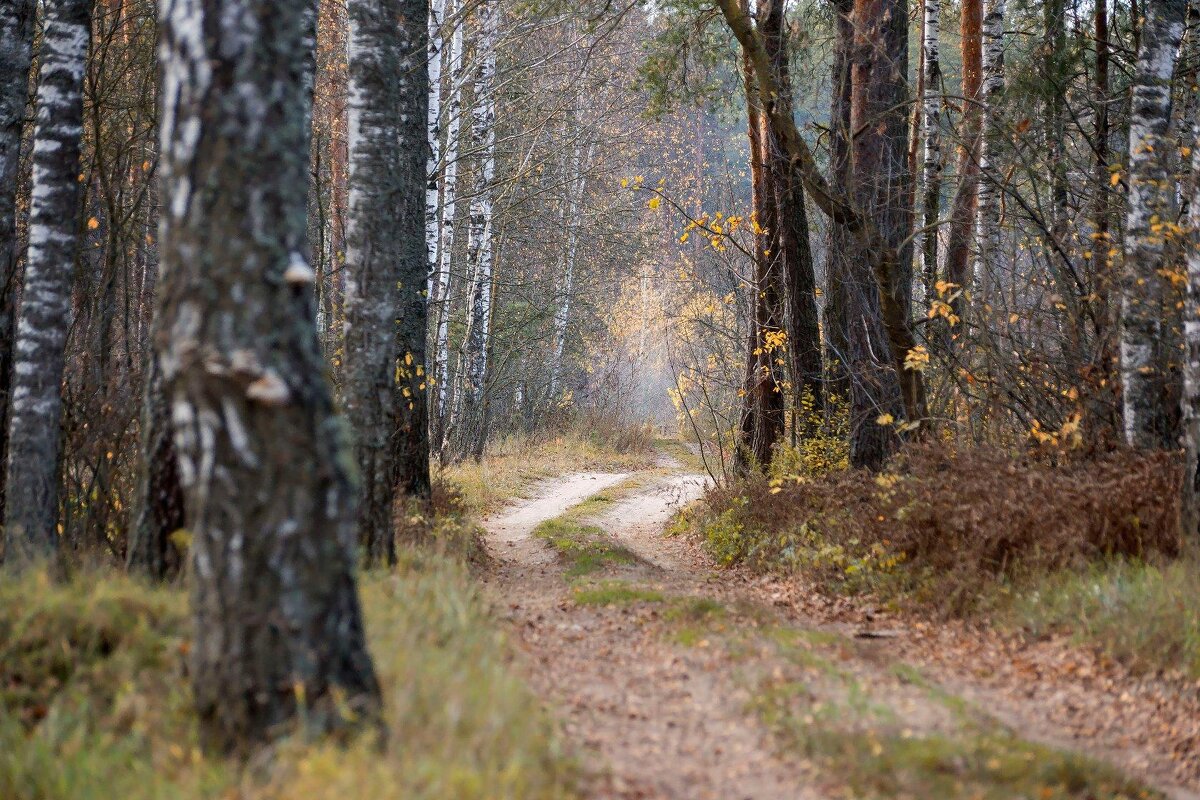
<point x="952" y="518"/>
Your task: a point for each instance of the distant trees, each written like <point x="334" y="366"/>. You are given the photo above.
<point x="35" y="407"/>
<point x="263" y="462"/>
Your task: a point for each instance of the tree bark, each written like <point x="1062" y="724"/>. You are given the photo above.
<point x="16" y="39"/>
<point x="469" y="408"/>
<point x="963" y="206"/>
<point x="384" y="288"/>
<point x="793" y="247"/>
<point x="35" y="412"/>
<point x="991" y="92"/>
<point x="160" y="502"/>
<point x="931" y="170"/>
<point x="447" y="228"/>
<point x="880" y="188"/>
<point x="1145" y="374"/>
<point x="879" y="255"/>
<point x="262" y="456"/>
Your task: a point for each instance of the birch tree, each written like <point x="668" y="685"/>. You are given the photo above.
<point x="931" y="171"/>
<point x="447" y="221"/>
<point x="963" y="207"/>
<point x="1145" y="374"/>
<point x="387" y="87"/>
<point x="16" y="38"/>
<point x="1190" y="406"/>
<point x="991" y="92"/>
<point x="262" y="455"/>
<point x="434" y="55"/>
<point x="35" y="412"/>
<point x="469" y="409"/>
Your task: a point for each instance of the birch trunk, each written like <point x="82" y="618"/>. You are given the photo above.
<point x="991" y="92"/>
<point x="580" y="165"/>
<point x="447" y="223"/>
<point x="262" y="457"/>
<point x="1190" y="408"/>
<point x="16" y="38"/>
<point x="1145" y="376"/>
<point x="35" y="412"/>
<point x="931" y="171"/>
<point x="433" y="127"/>
<point x="469" y="410"/>
<point x="384" y="288"/>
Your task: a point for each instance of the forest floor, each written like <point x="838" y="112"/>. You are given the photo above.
<point x="675" y="679"/>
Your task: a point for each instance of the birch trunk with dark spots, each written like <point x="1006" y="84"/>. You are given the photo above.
<point x="991" y="92"/>
<point x="1190" y="406"/>
<point x="44" y="318"/>
<point x="931" y="169"/>
<point x="468" y="419"/>
<point x="263" y="458"/>
<point x="16" y="39"/>
<point x="385" y="304"/>
<point x="1145" y="373"/>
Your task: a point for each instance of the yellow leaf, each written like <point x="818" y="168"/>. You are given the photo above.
<point x="884" y="419"/>
<point x="93" y="223"/>
<point x="1115" y="179"/>
<point x="655" y="202"/>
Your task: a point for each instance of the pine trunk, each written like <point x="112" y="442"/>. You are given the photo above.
<point x="880" y="188"/>
<point x="963" y="207"/>
<point x="262" y="457"/>
<point x="35" y="412"/>
<point x="1145" y="374"/>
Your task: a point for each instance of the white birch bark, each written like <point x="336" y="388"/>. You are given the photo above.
<point x="447" y="222"/>
<point x="992" y="90"/>
<point x="1144" y="371"/>
<point x="931" y="172"/>
<point x="1190" y="401"/>
<point x="433" y="127"/>
<point x="580" y="165"/>
<point x="269" y="492"/>
<point x="474" y="360"/>
<point x="35" y="412"/>
<point x="16" y="41"/>
<point x="385" y="280"/>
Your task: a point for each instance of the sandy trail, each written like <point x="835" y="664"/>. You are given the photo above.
<point x="656" y="719"/>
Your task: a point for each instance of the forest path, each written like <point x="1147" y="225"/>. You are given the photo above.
<point x="676" y="680"/>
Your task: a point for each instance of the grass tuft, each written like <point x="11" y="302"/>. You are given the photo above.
<point x="614" y="593"/>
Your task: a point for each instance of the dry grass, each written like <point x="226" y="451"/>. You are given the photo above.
<point x="515" y="463"/>
<point x="94" y="701"/>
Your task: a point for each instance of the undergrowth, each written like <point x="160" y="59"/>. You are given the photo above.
<point x="943" y="528"/>
<point x="94" y="700"/>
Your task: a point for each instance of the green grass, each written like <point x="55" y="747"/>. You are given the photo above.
<point x="614" y="593"/>
<point x="850" y="729"/>
<point x="94" y="701"/>
<point x="1144" y="615"/>
<point x="585" y="547"/>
